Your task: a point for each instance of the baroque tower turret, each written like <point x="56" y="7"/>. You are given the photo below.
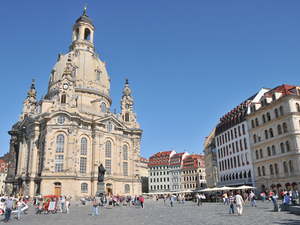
<point x="59" y="142"/>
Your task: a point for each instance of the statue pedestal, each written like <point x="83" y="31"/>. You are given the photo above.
<point x="100" y="189"/>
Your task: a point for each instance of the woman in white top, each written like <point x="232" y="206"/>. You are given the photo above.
<point x="67" y="205"/>
<point x="19" y="204"/>
<point x="239" y="203"/>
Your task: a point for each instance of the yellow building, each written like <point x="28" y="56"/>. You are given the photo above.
<point x="274" y="131"/>
<point x="59" y="142"/>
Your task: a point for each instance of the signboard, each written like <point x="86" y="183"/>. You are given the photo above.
<point x="51" y="206"/>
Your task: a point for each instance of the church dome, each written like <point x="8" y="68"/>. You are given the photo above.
<point x="88" y="71"/>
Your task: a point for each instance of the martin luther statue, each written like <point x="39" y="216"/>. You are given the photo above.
<point x="101" y="172"/>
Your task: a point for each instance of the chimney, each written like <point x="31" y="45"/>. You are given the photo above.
<point x="160" y="151"/>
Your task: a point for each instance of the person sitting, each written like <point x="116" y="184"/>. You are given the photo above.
<point x="40" y="210"/>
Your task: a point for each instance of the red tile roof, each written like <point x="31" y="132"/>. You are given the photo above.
<point x="191" y="161"/>
<point x="176" y="159"/>
<point x="142" y="159"/>
<point x="160" y="158"/>
<point x="3" y="167"/>
<point x="284" y="89"/>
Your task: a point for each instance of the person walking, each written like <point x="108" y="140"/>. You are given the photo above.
<point x="231" y="203"/>
<point x="252" y="197"/>
<point x="8" y="208"/>
<point x="142" y="201"/>
<point x="171" y="200"/>
<point x="19" y="205"/>
<point x="226" y="198"/>
<point x="95" y="207"/>
<point x="165" y="199"/>
<point x="67" y="205"/>
<point x="239" y="203"/>
<point x="58" y="205"/>
<point x="62" y="202"/>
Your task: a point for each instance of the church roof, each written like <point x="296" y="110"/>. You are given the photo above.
<point x="84" y="17"/>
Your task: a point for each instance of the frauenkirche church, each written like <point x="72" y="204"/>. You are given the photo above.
<point x="59" y="142"/>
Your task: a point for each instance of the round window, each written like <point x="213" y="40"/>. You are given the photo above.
<point x="61" y="120"/>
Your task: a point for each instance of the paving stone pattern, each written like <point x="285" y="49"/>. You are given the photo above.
<point x="158" y="213"/>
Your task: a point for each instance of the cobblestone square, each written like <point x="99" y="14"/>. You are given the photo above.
<point x="159" y="213"/>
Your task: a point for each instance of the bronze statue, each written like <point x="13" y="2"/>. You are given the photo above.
<point x="101" y="172"/>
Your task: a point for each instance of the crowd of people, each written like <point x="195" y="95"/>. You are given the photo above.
<point x="233" y="200"/>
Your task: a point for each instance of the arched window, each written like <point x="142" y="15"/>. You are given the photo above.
<point x="261" y="153"/>
<point x="258" y="170"/>
<point x="281" y="111"/>
<point x="282" y="148"/>
<point x="271" y="170"/>
<point x="273" y="150"/>
<point x="279" y="130"/>
<point x="252" y="123"/>
<point x="276" y="113"/>
<point x="263" y="171"/>
<point x="268" y="117"/>
<point x="291" y="166"/>
<point x="288" y="147"/>
<point x="269" y="151"/>
<point x="276" y="169"/>
<point x="298" y="107"/>
<point x="77" y="34"/>
<point x="254" y="138"/>
<point x="87" y="33"/>
<point x="256" y="122"/>
<point x="108" y="149"/>
<point x="285" y="167"/>
<point x="84" y="187"/>
<point x="264" y="119"/>
<point x="126" y="117"/>
<point x="285" y="129"/>
<point x="103" y="107"/>
<point x="125" y="152"/>
<point x="256" y="153"/>
<point x="83" y="149"/>
<point x="60" y="143"/>
<point x="266" y="134"/>
<point x="63" y="99"/>
<point x="271" y="132"/>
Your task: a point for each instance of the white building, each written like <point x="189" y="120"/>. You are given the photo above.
<point x="233" y="146"/>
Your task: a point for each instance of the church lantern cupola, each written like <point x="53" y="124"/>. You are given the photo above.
<point x="83" y="33"/>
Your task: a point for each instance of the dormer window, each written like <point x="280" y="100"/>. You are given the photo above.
<point x="109" y="127"/>
<point x="273" y="97"/>
<point x="74" y="71"/>
<point x="98" y="72"/>
<point x="103" y="107"/>
<point x="63" y="99"/>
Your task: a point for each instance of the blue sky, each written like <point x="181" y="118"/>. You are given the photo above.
<point x="188" y="62"/>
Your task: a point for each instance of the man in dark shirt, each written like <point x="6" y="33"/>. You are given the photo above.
<point x="8" y="208"/>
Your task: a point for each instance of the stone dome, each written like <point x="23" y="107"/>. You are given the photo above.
<point x="88" y="71"/>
